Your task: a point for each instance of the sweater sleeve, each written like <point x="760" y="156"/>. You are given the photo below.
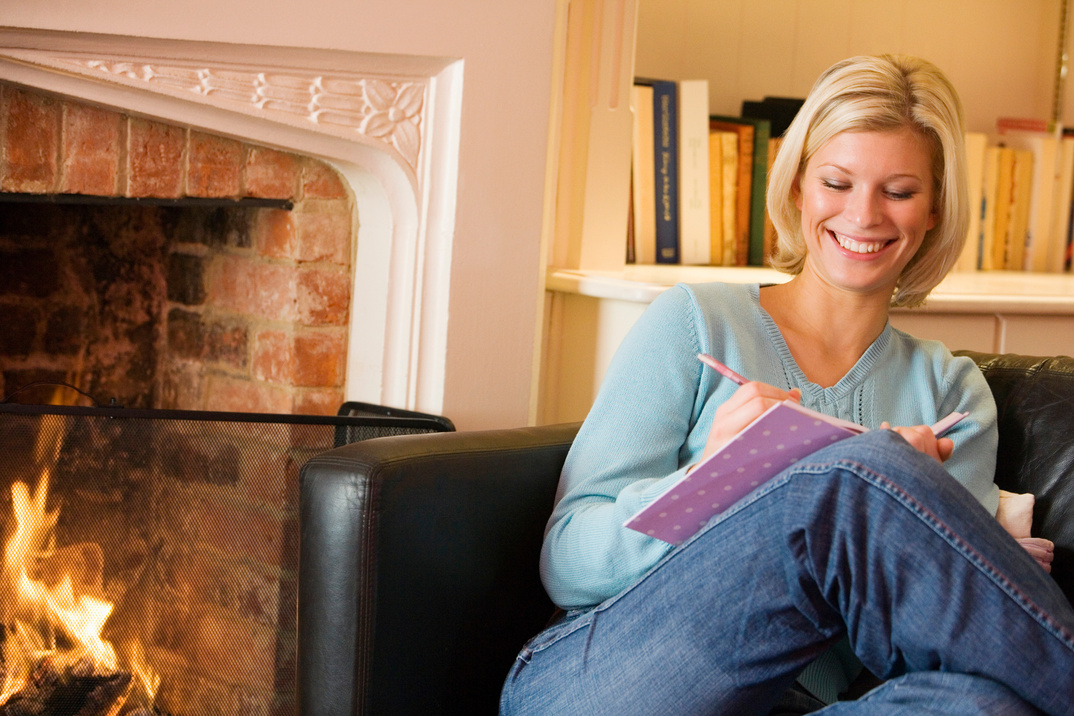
<point x="630" y="446"/>
<point x="973" y="461"/>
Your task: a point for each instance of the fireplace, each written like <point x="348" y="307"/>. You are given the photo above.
<point x="161" y="267"/>
<point x="179" y="530"/>
<point x="385" y="127"/>
<point x="300" y="258"/>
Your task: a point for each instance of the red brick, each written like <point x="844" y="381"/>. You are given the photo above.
<point x="91" y="150"/>
<point x="318" y="401"/>
<point x="271" y="174"/>
<point x="245" y="396"/>
<point x="248" y="650"/>
<point x="213" y="518"/>
<point x="154" y="160"/>
<point x="246" y="590"/>
<point x="254" y="288"/>
<point x="274" y="357"/>
<point x="226" y="344"/>
<point x="267" y="476"/>
<point x="320" y="181"/>
<point x="214" y="166"/>
<point x="324" y="297"/>
<point x="31" y="133"/>
<point x="274" y="233"/>
<point x="181" y="387"/>
<point x="319" y="359"/>
<point x="324" y="234"/>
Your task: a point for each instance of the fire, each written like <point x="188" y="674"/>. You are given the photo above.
<point x="54" y="610"/>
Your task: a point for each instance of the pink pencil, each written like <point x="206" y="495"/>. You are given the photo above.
<point x="721" y="368"/>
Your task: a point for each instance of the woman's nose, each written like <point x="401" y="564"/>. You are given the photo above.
<point x="863" y="208"/>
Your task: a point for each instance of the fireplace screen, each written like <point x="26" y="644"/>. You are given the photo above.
<point x="150" y="557"/>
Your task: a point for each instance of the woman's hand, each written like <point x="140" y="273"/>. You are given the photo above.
<point x="746" y="405"/>
<point x="922" y="438"/>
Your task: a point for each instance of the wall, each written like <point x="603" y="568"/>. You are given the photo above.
<point x="1000" y="54"/>
<point x="507" y="77"/>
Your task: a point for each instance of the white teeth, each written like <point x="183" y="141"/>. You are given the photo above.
<point x="859" y="247"/>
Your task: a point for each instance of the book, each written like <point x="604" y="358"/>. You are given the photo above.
<point x="666" y="168"/>
<point x="1018" y="231"/>
<point x="1004" y="192"/>
<point x="1032" y="254"/>
<point x="757" y="178"/>
<point x="780" y="111"/>
<point x="743" y="184"/>
<point x="728" y="181"/>
<point x="988" y="208"/>
<point x="1057" y="250"/>
<point x="770" y="234"/>
<point x="782" y="435"/>
<point x="715" y="198"/>
<point x="693" y="138"/>
<point x="643" y="168"/>
<point x="976" y="148"/>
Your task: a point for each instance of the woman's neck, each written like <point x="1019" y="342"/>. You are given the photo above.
<point x="826" y="330"/>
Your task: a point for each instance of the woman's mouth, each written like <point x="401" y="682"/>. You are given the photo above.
<point x="859" y="247"/>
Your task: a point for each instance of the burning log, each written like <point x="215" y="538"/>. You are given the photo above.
<point x="74" y="690"/>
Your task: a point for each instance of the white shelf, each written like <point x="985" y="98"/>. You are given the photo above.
<point x="1008" y="292"/>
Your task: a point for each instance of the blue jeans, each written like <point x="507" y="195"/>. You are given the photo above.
<point x="867" y="538"/>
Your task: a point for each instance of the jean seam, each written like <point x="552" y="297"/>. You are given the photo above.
<point x="946" y="533"/>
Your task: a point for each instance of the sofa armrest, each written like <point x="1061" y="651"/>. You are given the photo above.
<point x="1035" y="399"/>
<point x="417" y="572"/>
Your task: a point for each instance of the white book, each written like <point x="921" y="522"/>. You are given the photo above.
<point x="1064" y="187"/>
<point x="976" y="147"/>
<point x="694" y="222"/>
<point x="1045" y="149"/>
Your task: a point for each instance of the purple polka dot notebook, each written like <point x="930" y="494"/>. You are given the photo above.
<point x="783" y="435"/>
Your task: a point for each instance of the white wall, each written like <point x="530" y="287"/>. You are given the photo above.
<point x="507" y="51"/>
<point x="1000" y="54"/>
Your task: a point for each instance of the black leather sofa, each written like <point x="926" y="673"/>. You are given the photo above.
<point x="418" y="574"/>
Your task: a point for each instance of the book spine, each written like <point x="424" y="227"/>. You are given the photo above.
<point x="666" y="173"/>
<point x="761" y="134"/>
<point x="693" y="109"/>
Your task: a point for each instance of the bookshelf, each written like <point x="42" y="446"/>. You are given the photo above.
<point x="1000" y="55"/>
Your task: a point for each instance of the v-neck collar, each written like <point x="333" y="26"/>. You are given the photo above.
<point x="815" y="393"/>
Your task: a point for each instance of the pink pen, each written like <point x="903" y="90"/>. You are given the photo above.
<point x="721" y="368"/>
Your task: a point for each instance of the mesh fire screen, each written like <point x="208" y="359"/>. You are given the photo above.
<point x="150" y="560"/>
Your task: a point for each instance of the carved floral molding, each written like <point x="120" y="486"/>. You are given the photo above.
<point x="388" y="111"/>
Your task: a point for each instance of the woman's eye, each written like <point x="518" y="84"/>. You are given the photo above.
<point x="900" y="195"/>
<point x="834" y="185"/>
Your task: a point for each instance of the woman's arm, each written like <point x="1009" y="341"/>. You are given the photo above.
<point x="639" y="434"/>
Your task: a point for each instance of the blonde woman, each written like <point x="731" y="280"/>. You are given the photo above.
<point x="882" y="550"/>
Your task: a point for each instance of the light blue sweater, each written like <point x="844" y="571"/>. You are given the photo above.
<point x="652" y="416"/>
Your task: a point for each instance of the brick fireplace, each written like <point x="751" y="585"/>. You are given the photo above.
<point x="162" y="297"/>
<point x="270" y="254"/>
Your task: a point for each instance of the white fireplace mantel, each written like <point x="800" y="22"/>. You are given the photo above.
<point x="388" y="123"/>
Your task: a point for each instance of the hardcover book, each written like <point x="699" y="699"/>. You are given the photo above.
<point x="666" y="168"/>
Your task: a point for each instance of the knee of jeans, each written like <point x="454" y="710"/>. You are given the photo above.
<point x="948" y="693"/>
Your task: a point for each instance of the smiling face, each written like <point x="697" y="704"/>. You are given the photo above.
<point x="866" y="200"/>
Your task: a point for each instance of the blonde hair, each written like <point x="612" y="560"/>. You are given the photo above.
<point x="881" y="93"/>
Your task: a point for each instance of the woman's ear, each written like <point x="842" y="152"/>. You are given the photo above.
<point x="796" y="190"/>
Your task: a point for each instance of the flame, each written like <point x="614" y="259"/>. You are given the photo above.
<point x="42" y="601"/>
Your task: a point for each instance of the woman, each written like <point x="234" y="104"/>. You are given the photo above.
<point x="867" y="548"/>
